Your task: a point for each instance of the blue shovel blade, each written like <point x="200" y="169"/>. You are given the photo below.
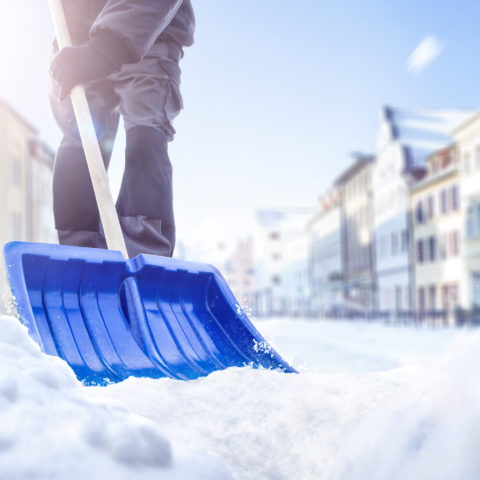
<point x="111" y="318"/>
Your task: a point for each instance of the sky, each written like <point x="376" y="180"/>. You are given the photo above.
<point x="277" y="94"/>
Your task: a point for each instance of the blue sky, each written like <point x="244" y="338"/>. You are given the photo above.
<point x="276" y="93"/>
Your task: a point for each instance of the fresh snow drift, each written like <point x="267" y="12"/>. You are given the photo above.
<point x="372" y="402"/>
<point x="49" y="429"/>
<point x="431" y="431"/>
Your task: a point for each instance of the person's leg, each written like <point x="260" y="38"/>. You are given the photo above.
<point x="149" y="101"/>
<point x="145" y="203"/>
<point x="75" y="209"/>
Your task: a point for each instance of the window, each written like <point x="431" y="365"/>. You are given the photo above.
<point x="419" y="212"/>
<point x="455" y="244"/>
<point x="455" y="200"/>
<point x="404" y="241"/>
<point x="477" y="229"/>
<point x="430" y="207"/>
<point x="16" y="167"/>
<point x="477" y="157"/>
<point x="432" y="297"/>
<point x="449" y="296"/>
<point x="274" y="236"/>
<point x="276" y="280"/>
<point x="442" y="247"/>
<point x="445" y="301"/>
<point x="407" y="298"/>
<point x="394" y="243"/>
<point x="421" y="299"/>
<point x="398" y="298"/>
<point x="432" y="248"/>
<point x="443" y="201"/>
<point x="384" y="246"/>
<point x="475" y="279"/>
<point x="420" y="251"/>
<point x="470" y="221"/>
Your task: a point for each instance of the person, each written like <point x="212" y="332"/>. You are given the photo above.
<point x="126" y="53"/>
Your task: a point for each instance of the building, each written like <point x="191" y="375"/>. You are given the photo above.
<point x="405" y="139"/>
<point x="467" y="137"/>
<point x="295" y="285"/>
<point x="281" y="262"/>
<point x="325" y="256"/>
<point x="437" y="231"/>
<point x="239" y="272"/>
<point x="25" y="186"/>
<point x="358" y="259"/>
<point x="40" y="223"/>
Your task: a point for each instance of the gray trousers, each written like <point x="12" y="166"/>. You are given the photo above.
<point x="147" y="96"/>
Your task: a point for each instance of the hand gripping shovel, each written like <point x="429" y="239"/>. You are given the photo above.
<point x="111" y="317"/>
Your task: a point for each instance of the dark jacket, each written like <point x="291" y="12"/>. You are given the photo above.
<point x="129" y="28"/>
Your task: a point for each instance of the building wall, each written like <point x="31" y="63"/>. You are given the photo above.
<point x="468" y="148"/>
<point x="437" y="239"/>
<point x="325" y="260"/>
<point x="25" y="191"/>
<point x="358" y="235"/>
<point x="281" y="282"/>
<point x="239" y="272"/>
<point x="40" y="222"/>
<point x="295" y="287"/>
<point x="392" y="232"/>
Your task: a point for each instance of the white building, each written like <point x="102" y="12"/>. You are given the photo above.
<point x="467" y="137"/>
<point x="281" y="262"/>
<point x="437" y="227"/>
<point x="404" y="141"/>
<point x="25" y="185"/>
<point x="295" y="285"/>
<point x="358" y="268"/>
<point x="239" y="272"/>
<point x="325" y="256"/>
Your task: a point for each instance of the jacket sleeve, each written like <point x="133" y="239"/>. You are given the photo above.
<point x="132" y="25"/>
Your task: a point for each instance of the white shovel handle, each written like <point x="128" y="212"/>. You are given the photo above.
<point x="96" y="168"/>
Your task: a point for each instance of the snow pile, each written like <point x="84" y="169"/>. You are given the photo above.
<point x="372" y="402"/>
<point x="268" y="425"/>
<point x="263" y="424"/>
<point x="49" y="429"/>
<point x="432" y="431"/>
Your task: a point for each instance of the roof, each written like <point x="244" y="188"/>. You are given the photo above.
<point x="422" y="131"/>
<point x="360" y="160"/>
<point x="471" y="119"/>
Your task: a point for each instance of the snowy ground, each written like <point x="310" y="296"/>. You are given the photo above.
<point x="371" y="402"/>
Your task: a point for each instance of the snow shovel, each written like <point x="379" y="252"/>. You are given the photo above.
<point x="110" y="317"/>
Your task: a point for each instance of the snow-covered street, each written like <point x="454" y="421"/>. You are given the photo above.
<point x="371" y="402"/>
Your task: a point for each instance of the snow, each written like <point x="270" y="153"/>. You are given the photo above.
<point x="371" y="402"/>
<point x="50" y="428"/>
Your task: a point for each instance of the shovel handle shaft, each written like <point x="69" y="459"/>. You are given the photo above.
<point x="96" y="167"/>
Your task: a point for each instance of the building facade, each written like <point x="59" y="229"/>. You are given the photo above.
<point x="357" y="233"/>
<point x="391" y="220"/>
<point x="437" y="237"/>
<point x="281" y="262"/>
<point x="325" y="256"/>
<point x="405" y="140"/>
<point x="239" y="272"/>
<point x="25" y="185"/>
<point x="467" y="137"/>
